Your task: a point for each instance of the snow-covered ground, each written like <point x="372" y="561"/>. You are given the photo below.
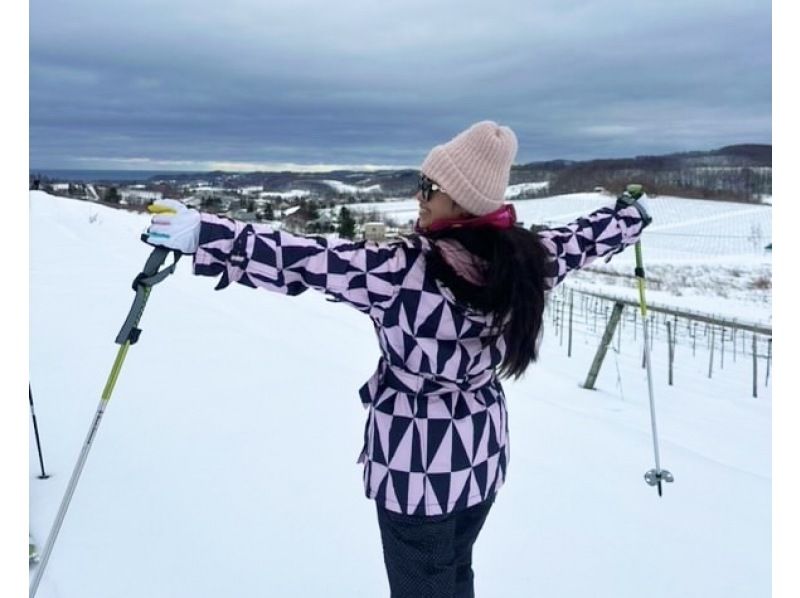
<point x="702" y="255"/>
<point x="340" y="187"/>
<point x="291" y="194"/>
<point x="225" y="464"/>
<point x="513" y="191"/>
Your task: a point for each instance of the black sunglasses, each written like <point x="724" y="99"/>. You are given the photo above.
<point x="427" y="187"/>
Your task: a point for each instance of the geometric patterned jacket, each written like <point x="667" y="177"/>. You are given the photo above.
<point x="436" y="436"/>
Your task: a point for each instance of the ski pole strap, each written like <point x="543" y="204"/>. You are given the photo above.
<point x="144" y="281"/>
<point x="151" y="275"/>
<point x="639" y="270"/>
<point x="639" y="261"/>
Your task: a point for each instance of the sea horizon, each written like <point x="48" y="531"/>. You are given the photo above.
<point x="101" y="174"/>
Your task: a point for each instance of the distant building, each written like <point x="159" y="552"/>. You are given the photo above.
<point x="206" y="192"/>
<point x="323" y="224"/>
<point x="139" y="196"/>
<point x="243" y="215"/>
<point x="91" y="193"/>
<point x="374" y="231"/>
<point x="224" y="203"/>
<point x="295" y="219"/>
<point x="254" y="190"/>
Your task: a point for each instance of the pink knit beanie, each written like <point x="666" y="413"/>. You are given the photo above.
<point x="473" y="168"/>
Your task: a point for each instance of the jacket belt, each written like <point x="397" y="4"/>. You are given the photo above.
<point x="418" y="383"/>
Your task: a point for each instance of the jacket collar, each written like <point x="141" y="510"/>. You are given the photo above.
<point x="502" y="218"/>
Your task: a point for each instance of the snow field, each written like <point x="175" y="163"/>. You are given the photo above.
<point x="225" y="464"/>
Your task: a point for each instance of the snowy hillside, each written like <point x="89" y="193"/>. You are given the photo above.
<point x="340" y="187"/>
<point x="292" y="194"/>
<point x="704" y="255"/>
<point x="513" y="191"/>
<point x="225" y="464"/>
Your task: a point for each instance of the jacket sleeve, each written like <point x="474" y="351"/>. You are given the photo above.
<point x="363" y="274"/>
<point x="604" y="232"/>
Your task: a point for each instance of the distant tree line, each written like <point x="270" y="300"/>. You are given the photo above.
<point x="735" y="173"/>
<point x="730" y="184"/>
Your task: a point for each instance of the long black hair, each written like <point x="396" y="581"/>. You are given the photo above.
<point x="514" y="288"/>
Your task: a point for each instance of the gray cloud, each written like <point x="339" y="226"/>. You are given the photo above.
<point x="381" y="82"/>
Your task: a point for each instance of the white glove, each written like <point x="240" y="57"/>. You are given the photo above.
<point x="173" y="226"/>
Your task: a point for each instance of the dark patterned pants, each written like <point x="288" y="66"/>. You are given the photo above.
<point x="431" y="557"/>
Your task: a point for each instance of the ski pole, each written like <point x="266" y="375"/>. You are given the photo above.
<point x="44" y="476"/>
<point x="654" y="477"/>
<point x="128" y="335"/>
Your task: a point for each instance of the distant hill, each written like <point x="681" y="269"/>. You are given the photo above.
<point x="733" y="173"/>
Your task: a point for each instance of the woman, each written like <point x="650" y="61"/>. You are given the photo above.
<point x="455" y="306"/>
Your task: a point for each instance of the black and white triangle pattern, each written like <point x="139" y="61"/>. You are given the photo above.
<point x="436" y="436"/>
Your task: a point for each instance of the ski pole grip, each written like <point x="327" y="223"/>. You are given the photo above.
<point x="150" y="274"/>
<point x="142" y="284"/>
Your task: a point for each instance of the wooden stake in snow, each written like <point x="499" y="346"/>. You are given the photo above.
<point x="608" y="335"/>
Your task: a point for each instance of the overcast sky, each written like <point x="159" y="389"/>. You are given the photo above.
<point x="263" y="84"/>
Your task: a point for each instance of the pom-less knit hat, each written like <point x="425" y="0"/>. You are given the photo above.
<point x="473" y="168"/>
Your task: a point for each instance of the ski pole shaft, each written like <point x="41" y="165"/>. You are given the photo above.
<point x="127" y="336"/>
<point x="62" y="510"/>
<point x="76" y="473"/>
<point x="643" y="307"/>
<point x="44" y="476"/>
<point x="653" y="477"/>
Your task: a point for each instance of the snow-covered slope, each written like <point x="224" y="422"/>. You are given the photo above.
<point x="340" y="187"/>
<point x="225" y="464"/>
<point x="704" y="255"/>
<point x="514" y="190"/>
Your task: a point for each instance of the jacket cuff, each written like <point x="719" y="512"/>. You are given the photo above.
<point x="217" y="236"/>
<point x="643" y="213"/>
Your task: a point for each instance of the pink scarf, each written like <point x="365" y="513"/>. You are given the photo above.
<point x="503" y="217"/>
<point x="470" y="267"/>
<point x="467" y="265"/>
